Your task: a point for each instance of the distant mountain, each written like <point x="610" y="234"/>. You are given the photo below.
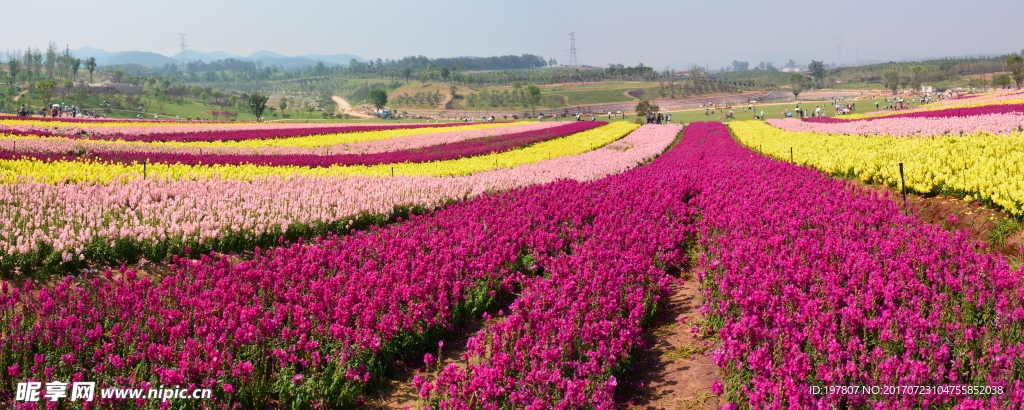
<point x="196" y="55"/>
<point x="100" y="55"/>
<point x="293" y="62"/>
<point x="341" y="59"/>
<point x="149" y="59"/>
<point x="143" y="58"/>
<point x="264" y="54"/>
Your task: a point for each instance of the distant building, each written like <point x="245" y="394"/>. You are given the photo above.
<point x="796" y="69"/>
<point x="926" y="89"/>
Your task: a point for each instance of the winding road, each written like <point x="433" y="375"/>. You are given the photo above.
<point x="345" y="108"/>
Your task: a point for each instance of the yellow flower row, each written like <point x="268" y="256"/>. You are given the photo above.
<point x="984" y="167"/>
<point x="75" y="171"/>
<point x="311" y="141"/>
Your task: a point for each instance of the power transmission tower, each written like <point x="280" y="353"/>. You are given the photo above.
<point x="572" y="50"/>
<point x="839" y="47"/>
<point x="181" y="65"/>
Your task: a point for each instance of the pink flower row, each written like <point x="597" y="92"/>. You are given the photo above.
<point x="83" y="222"/>
<point x="312" y="325"/>
<point x="48" y="145"/>
<point x="911" y="127"/>
<point x="462" y="149"/>
<point x="230" y="135"/>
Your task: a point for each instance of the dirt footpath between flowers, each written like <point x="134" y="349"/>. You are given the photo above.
<point x="676" y="369"/>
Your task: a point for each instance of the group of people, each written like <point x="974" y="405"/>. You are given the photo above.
<point x="60" y="111"/>
<point x="896" y="103"/>
<point x="659" y="118"/>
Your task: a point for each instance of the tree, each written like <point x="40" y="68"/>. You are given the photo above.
<point x="90" y="65"/>
<point x="282" y="104"/>
<point x="534" y="96"/>
<point x="81" y="94"/>
<point x="161" y="99"/>
<point x="257" y="104"/>
<point x="1001" y="81"/>
<point x="378" y="98"/>
<point x="916" y="77"/>
<point x="646" y="107"/>
<point x="817" y="69"/>
<point x="45" y="90"/>
<point x="892" y="80"/>
<point x="14" y="66"/>
<point x="76" y="64"/>
<point x="797" y="82"/>
<point x="740" y="65"/>
<point x="406" y="72"/>
<point x="1016" y="66"/>
<point x="445" y="73"/>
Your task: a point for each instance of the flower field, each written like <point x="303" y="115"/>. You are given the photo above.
<point x="1009" y="101"/>
<point x="61" y="226"/>
<point x="562" y="240"/>
<point x="975" y="156"/>
<point x="58" y="169"/>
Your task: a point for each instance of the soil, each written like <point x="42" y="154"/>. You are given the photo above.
<point x="677" y="369"/>
<point x="345" y="108"/>
<point x="400" y="394"/>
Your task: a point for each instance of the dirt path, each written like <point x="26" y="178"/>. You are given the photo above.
<point x="18" y="97"/>
<point x="401" y="394"/>
<point x="676" y="372"/>
<point x="345" y="108"/>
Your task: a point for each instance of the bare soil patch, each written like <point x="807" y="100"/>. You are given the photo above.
<point x="345" y="108"/>
<point x="677" y="369"/>
<point x="401" y="394"/>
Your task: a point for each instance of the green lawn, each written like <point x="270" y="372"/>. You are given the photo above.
<point x="595" y="96"/>
<point x="770" y="111"/>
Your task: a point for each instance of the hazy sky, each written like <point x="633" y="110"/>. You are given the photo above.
<point x="657" y="34"/>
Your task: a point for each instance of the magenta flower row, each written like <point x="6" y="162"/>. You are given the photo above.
<point x="814" y="282"/>
<point x="468" y="148"/>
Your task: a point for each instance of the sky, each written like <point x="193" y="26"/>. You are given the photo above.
<point x="657" y="34"/>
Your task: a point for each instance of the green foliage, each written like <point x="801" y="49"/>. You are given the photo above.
<point x="378" y="98"/>
<point x="534" y="95"/>
<point x="257" y="104"/>
<point x="1015" y="64"/>
<point x="797" y="82"/>
<point x="817" y="69"/>
<point x="1001" y="81"/>
<point x="45" y="90"/>
<point x="892" y="80"/>
<point x="645" y="107"/>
